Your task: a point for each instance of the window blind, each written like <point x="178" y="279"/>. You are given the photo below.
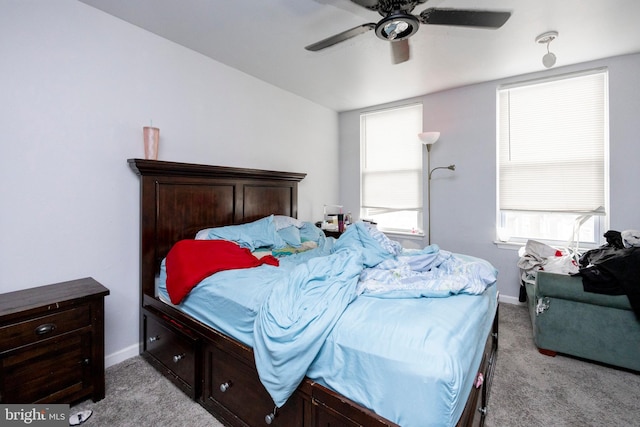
<point x="391" y="165"/>
<point x="552" y="144"/>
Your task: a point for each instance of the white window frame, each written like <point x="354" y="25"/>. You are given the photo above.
<point x="404" y="181"/>
<point x="587" y="227"/>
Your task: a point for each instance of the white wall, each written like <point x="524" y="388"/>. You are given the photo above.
<point x="77" y="87"/>
<point x="464" y="202"/>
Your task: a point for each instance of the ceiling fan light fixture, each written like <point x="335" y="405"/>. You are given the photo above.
<point x="397" y="26"/>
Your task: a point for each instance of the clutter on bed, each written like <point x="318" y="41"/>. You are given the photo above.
<point x="293" y="307"/>
<point x="336" y="331"/>
<point x="191" y="261"/>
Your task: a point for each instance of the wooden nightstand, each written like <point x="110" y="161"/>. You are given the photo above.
<point x="52" y="343"/>
<point x="331" y="233"/>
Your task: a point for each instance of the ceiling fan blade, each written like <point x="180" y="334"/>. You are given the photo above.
<point x="400" y="51"/>
<point x="465" y="18"/>
<point x="345" y="35"/>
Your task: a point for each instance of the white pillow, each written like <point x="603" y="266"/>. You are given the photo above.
<point x="282" y="221"/>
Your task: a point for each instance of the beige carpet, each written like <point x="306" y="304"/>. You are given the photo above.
<point x="137" y="395"/>
<point x="529" y="389"/>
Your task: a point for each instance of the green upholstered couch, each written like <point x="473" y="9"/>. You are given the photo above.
<point x="592" y="326"/>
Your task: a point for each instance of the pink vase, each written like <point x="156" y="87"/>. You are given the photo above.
<point x="151" y="138"/>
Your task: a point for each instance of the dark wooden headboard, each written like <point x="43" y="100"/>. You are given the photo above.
<point x="178" y="199"/>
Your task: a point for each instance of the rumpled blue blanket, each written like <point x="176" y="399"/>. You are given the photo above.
<point x="430" y="272"/>
<point x="300" y="312"/>
<point x="298" y="315"/>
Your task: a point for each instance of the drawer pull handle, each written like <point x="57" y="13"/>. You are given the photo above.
<point x="153" y="339"/>
<point x="178" y="357"/>
<point x="270" y="417"/>
<point x="45" y="329"/>
<point x="225" y="386"/>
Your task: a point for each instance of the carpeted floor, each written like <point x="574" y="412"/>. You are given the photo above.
<point x="529" y="389"/>
<point x="137" y="395"/>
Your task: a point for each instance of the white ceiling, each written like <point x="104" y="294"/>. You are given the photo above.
<point x="266" y="39"/>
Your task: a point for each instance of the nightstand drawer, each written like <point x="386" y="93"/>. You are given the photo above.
<point x="38" y="329"/>
<point x="67" y="373"/>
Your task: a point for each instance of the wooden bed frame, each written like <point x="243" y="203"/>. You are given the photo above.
<point x="177" y="200"/>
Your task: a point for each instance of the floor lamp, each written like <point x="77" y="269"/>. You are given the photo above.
<point x="428" y="139"/>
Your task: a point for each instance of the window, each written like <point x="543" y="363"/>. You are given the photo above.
<point x="391" y="168"/>
<point x="552" y="159"/>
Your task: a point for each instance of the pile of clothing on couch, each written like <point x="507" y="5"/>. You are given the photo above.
<point x="537" y="256"/>
<point x="612" y="269"/>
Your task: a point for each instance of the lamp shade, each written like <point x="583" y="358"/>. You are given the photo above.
<point x="428" y="138"/>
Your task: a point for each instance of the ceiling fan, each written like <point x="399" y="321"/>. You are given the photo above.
<point x="398" y="24"/>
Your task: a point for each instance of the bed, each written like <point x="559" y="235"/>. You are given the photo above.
<point x="360" y="360"/>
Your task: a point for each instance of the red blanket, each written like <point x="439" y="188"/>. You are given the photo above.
<point x="190" y="261"/>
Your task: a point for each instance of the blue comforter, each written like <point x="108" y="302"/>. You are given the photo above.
<point x="300" y="312"/>
<point x="298" y="315"/>
<point x="351" y="315"/>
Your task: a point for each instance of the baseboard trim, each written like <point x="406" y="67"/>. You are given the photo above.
<point x="510" y="300"/>
<point x="121" y="355"/>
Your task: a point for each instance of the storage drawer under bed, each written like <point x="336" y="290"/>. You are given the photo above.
<point x="232" y="386"/>
<point x="173" y="351"/>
